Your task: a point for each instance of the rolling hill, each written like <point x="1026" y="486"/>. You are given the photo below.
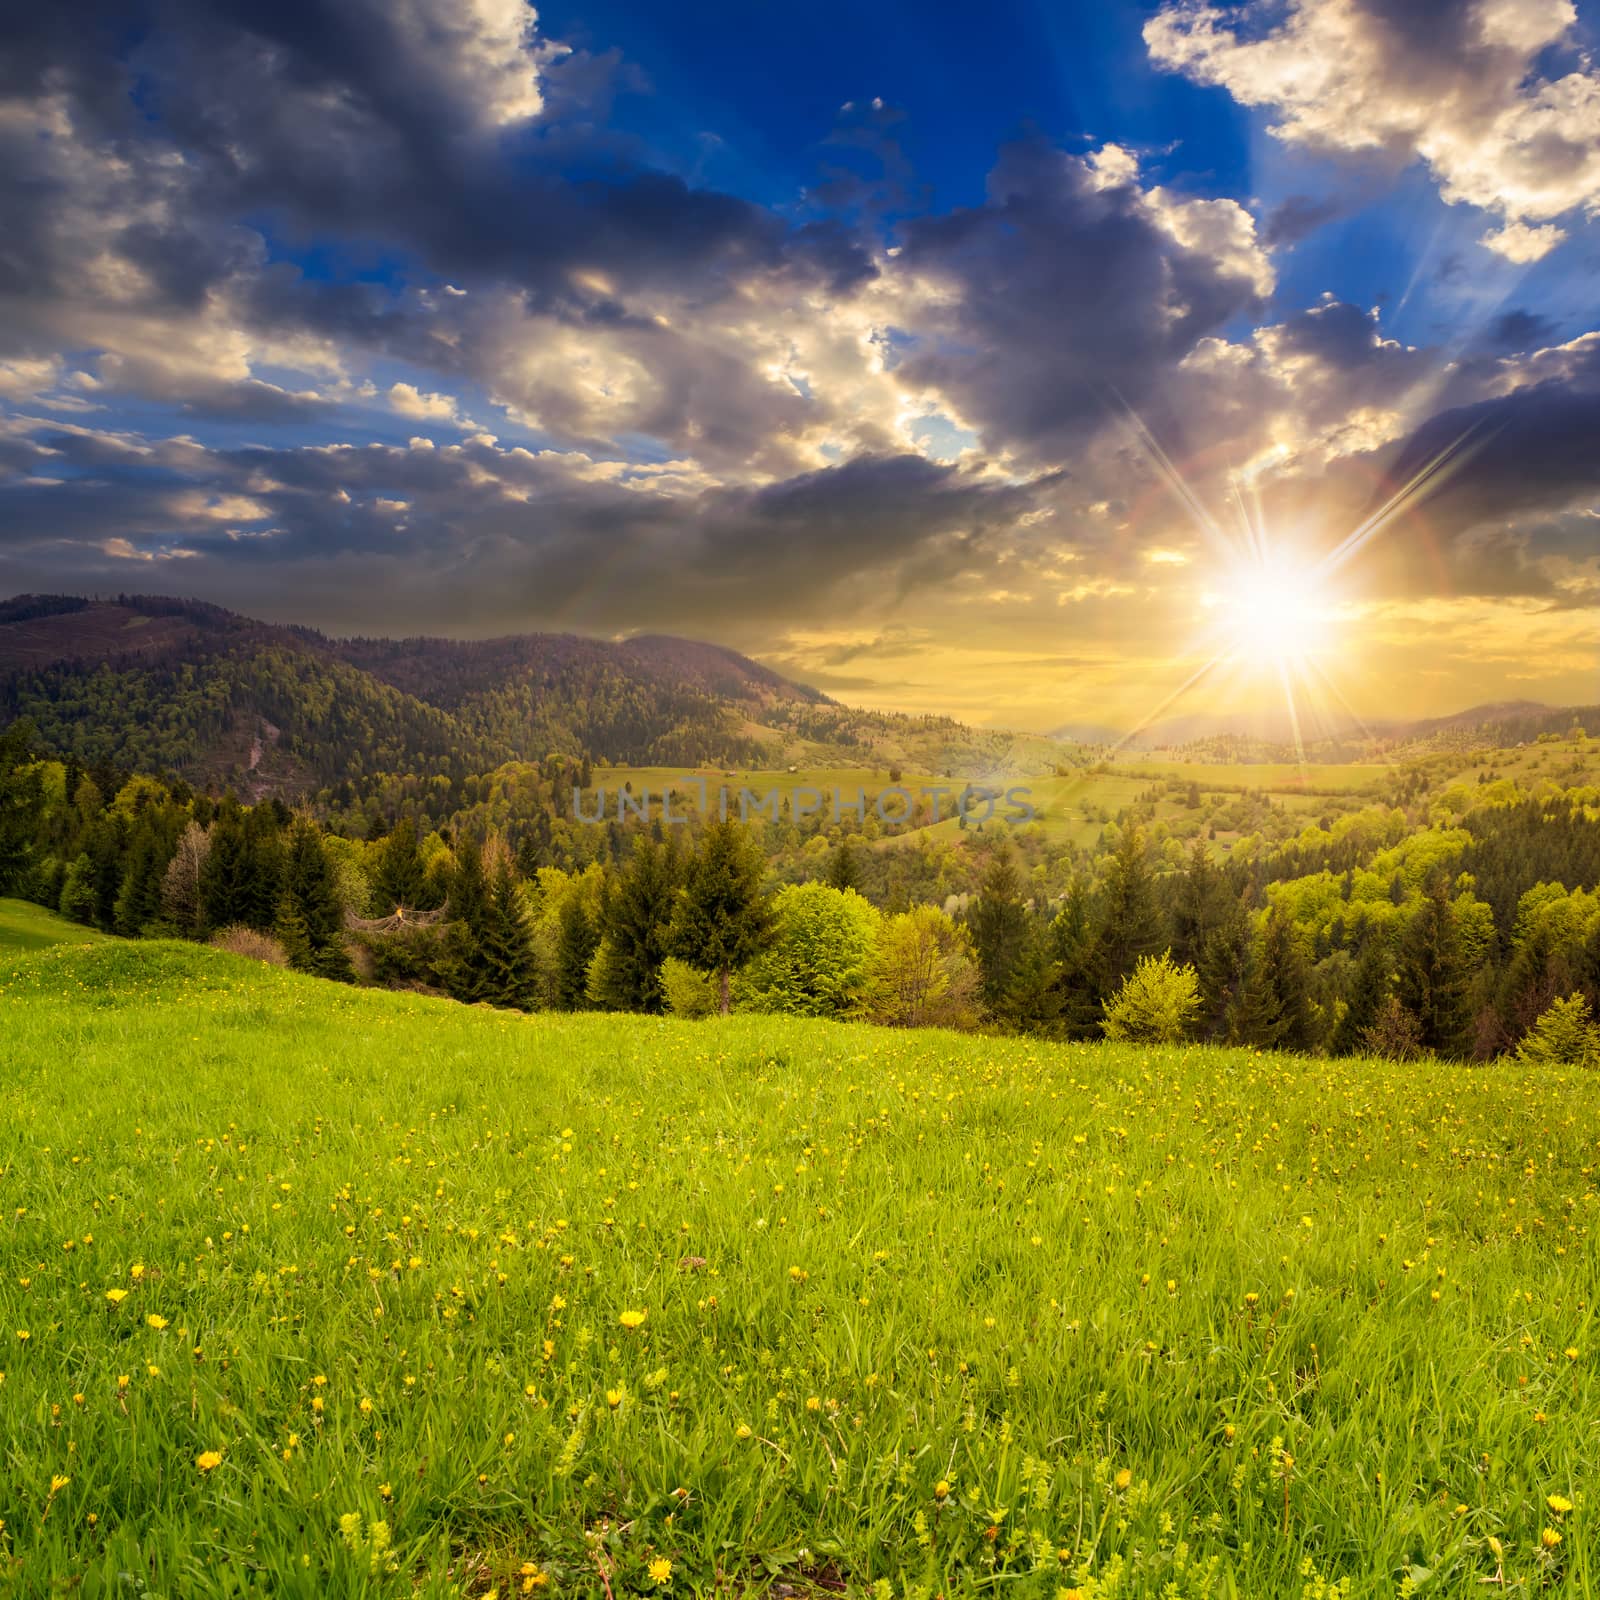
<point x="157" y="684"/>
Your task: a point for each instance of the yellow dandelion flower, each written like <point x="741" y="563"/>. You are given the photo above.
<point x="208" y="1460"/>
<point x="58" y="1483"/>
<point x="1549" y="1538"/>
<point x="1558" y="1503"/>
<point x="156" y="1321"/>
<point x="116" y="1296"/>
<point x="660" y="1571"/>
<point x="632" y="1319"/>
<point x="1124" y="1478"/>
<point x="941" y="1490"/>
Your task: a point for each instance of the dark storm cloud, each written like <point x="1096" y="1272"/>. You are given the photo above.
<point x="463" y="534"/>
<point x="1071" y="291"/>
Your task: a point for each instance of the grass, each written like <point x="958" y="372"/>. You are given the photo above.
<point x="30" y="927"/>
<point x="952" y="1315"/>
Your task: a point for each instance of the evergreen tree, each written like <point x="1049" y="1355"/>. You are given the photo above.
<point x="576" y="942"/>
<point x="1130" y="920"/>
<point x="311" y="896"/>
<point x="21" y="801"/>
<point x="1202" y="903"/>
<point x="1369" y="990"/>
<point x="719" y="919"/>
<point x="291" y="932"/>
<point x="463" y="965"/>
<point x="400" y="880"/>
<point x="1432" y="975"/>
<point x="506" y="944"/>
<point x="635" y="921"/>
<point x="139" y="896"/>
<point x="1237" y="1002"/>
<point x="843" y="870"/>
<point x="1287" y="975"/>
<point x="999" y="924"/>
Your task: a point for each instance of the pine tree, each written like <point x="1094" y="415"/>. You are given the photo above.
<point x="576" y="942"/>
<point x="720" y="920"/>
<point x="463" y="964"/>
<point x="843" y="870"/>
<point x="1238" y="1005"/>
<point x="139" y="897"/>
<point x="1130" y="920"/>
<point x="1433" y="977"/>
<point x="311" y="897"/>
<point x="400" y="880"/>
<point x="1202" y="903"/>
<point x="635" y="921"/>
<point x="999" y="924"/>
<point x="291" y="932"/>
<point x="506" y="944"/>
<point x="1287" y="975"/>
<point x="21" y="800"/>
<point x="1369" y="990"/>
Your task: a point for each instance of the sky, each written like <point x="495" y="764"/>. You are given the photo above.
<point x="1044" y="364"/>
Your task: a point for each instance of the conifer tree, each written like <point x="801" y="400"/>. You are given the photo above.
<point x="1287" y="975"/>
<point x="577" y="940"/>
<point x="1369" y="990"/>
<point x="999" y="924"/>
<point x="400" y="880"/>
<point x="844" y="871"/>
<point x="1130" y="920"/>
<point x="291" y="932"/>
<point x="635" y="921"/>
<point x="719" y="919"/>
<point x="312" y="896"/>
<point x="463" y="966"/>
<point x="139" y="897"/>
<point x="506" y="943"/>
<point x="1432" y="976"/>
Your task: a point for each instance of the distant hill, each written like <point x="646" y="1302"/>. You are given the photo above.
<point x="1269" y="736"/>
<point x="153" y="683"/>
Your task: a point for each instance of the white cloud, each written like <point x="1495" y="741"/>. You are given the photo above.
<point x="1455" y="86"/>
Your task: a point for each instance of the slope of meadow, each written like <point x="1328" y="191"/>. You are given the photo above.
<point x="312" y="1291"/>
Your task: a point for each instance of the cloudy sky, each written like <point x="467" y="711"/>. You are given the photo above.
<point x="1015" y="361"/>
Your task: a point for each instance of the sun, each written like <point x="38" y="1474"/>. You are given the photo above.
<point x="1272" y="616"/>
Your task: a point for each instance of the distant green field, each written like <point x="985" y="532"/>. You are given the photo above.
<point x="30" y="927"/>
<point x="311" y="1291"/>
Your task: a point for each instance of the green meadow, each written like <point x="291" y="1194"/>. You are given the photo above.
<point x="312" y="1291"/>
<point x="25" y="926"/>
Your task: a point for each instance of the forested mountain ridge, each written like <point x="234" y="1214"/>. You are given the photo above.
<point x="156" y="684"/>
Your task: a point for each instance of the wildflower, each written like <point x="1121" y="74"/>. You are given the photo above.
<point x="660" y="1570"/>
<point x="632" y="1319"/>
<point x="1549" y="1538"/>
<point x="136" y="1271"/>
<point x="58" y="1483"/>
<point x="208" y="1460"/>
<point x="1558" y="1503"/>
<point x="366" y="1406"/>
<point x="116" y="1296"/>
<point x="742" y="1431"/>
<point x="1124" y="1478"/>
<point x="614" y="1398"/>
<point x="156" y="1321"/>
<point x="941" y="1490"/>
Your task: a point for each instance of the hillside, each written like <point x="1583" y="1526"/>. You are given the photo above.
<point x="399" y="1298"/>
<point x="154" y="684"/>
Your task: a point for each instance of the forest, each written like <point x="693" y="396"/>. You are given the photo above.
<point x="1461" y="920"/>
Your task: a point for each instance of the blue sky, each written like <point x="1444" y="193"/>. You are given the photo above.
<point x="834" y="333"/>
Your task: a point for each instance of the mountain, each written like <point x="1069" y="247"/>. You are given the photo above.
<point x="157" y="684"/>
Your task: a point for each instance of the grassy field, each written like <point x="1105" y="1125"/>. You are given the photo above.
<point x="308" y="1291"/>
<point x="29" y="927"/>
